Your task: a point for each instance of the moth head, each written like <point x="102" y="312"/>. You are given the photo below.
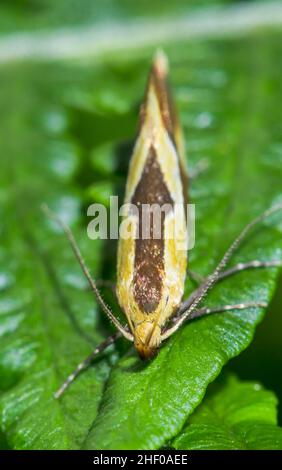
<point x="147" y="339"/>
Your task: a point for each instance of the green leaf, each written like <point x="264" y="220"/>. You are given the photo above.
<point x="55" y="117"/>
<point x="145" y="404"/>
<point x="234" y="415"/>
<point x="48" y="321"/>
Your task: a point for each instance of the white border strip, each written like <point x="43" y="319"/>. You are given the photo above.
<point x="97" y="40"/>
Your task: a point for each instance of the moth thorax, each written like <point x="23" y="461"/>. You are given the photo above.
<point x="147" y="339"/>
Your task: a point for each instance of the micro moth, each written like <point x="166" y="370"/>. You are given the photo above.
<point x="151" y="271"/>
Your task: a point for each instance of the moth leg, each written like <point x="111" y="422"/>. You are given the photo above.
<point x="200" y="167"/>
<point x="85" y="363"/>
<point x="225" y="308"/>
<point x="223" y="275"/>
<point x="250" y="265"/>
<point x="199" y="279"/>
<point x="199" y="294"/>
<point x="124" y="331"/>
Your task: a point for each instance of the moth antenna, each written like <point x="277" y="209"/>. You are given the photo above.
<point x="213" y="278"/>
<point x="85" y="363"/>
<point x="86" y="272"/>
<point x="223" y="275"/>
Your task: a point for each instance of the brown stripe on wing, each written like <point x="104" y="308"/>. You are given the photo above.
<point x="149" y="253"/>
<point x="158" y="80"/>
<point x="169" y="114"/>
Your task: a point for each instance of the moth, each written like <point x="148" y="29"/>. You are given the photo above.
<point x="151" y="272"/>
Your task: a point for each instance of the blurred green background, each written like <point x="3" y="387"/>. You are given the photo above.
<point x="61" y="118"/>
<point x="26" y="15"/>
